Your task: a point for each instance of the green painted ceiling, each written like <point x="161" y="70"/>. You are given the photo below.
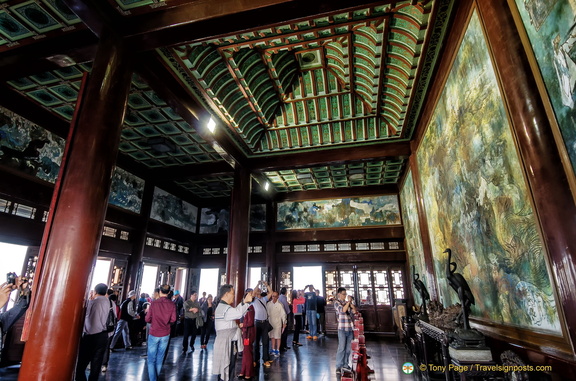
<point x="343" y="79"/>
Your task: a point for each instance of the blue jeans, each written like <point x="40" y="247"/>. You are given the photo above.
<point x="312" y="322"/>
<point x="344" y="348"/>
<point x="121" y="329"/>
<point x="156" y="349"/>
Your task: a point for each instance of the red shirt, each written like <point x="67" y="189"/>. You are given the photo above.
<point x="161" y="313"/>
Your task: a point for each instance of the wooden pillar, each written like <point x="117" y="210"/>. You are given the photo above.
<point x="271" y="245"/>
<point x="74" y="238"/>
<point x="548" y="181"/>
<point x="237" y="258"/>
<point x="134" y="274"/>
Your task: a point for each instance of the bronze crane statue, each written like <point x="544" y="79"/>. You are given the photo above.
<point x="459" y="284"/>
<point x="421" y="288"/>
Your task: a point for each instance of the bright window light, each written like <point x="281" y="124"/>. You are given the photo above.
<point x="101" y="273"/>
<point x="305" y="275"/>
<point x="208" y="282"/>
<point x="211" y="125"/>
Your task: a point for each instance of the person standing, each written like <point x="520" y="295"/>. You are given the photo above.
<point x="95" y="336"/>
<point x="228" y="336"/>
<point x="311" y="317"/>
<point x="208" y="316"/>
<point x="177" y="329"/>
<point x="161" y="314"/>
<point x="127" y="314"/>
<point x="262" y="325"/>
<point x="277" y="319"/>
<point x="248" y="337"/>
<point x="112" y="298"/>
<point x="192" y="312"/>
<point x="344" y="307"/>
<point x="284" y="300"/>
<point x="321" y="310"/>
<point x="297" y="308"/>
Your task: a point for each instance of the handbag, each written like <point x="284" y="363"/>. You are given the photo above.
<point x="199" y="322"/>
<point x="270" y="328"/>
<point x="111" y="320"/>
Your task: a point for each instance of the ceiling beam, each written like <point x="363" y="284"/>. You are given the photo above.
<point x="80" y="46"/>
<point x="96" y="15"/>
<point x="201" y="20"/>
<point x="330" y="156"/>
<point x="370" y="190"/>
<point x="176" y="95"/>
<point x="192" y="170"/>
<point x="32" y="111"/>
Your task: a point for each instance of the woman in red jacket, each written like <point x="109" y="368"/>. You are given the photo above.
<point x="248" y="336"/>
<point x="298" y="301"/>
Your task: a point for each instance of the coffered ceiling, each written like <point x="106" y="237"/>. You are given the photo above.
<point x="310" y="96"/>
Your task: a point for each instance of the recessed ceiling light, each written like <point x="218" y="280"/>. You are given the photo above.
<point x="211" y="125"/>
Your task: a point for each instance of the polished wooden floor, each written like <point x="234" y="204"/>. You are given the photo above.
<point x="314" y="361"/>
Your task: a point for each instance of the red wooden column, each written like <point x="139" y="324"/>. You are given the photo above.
<point x="135" y="265"/>
<point x="74" y="238"/>
<point x="548" y="181"/>
<point x="271" y="246"/>
<point x="237" y="258"/>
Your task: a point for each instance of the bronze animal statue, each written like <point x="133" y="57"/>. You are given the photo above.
<point x="459" y="284"/>
<point x="421" y="288"/>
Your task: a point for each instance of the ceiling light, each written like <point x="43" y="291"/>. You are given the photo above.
<point x="267" y="186"/>
<point x="61" y="60"/>
<point x="211" y="125"/>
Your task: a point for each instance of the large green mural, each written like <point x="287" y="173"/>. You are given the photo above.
<point x="477" y="201"/>
<point x="551" y="28"/>
<point x="413" y="238"/>
<point x="28" y="147"/>
<point x="338" y="213"/>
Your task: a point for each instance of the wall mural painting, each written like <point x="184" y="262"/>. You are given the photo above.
<point x="214" y="220"/>
<point x="258" y="217"/>
<point x="173" y="211"/>
<point x="477" y="201"/>
<point x="551" y="28"/>
<point x="338" y="213"/>
<point x="126" y="190"/>
<point x="28" y="147"/>
<point x="414" y="244"/>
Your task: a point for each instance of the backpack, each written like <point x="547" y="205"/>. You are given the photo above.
<point x="111" y="320"/>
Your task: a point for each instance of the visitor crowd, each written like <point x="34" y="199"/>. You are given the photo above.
<point x="255" y="328"/>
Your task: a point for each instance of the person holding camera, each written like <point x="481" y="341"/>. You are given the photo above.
<point x="228" y="336"/>
<point x="344" y="306"/>
<point x="8" y="318"/>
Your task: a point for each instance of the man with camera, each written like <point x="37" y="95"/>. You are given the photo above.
<point x="8" y="318"/>
<point x="344" y="306"/>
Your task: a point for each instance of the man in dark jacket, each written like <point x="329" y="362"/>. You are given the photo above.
<point x="127" y="314"/>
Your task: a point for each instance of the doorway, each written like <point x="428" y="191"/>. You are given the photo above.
<point x="149" y="279"/>
<point x="101" y="273"/>
<point x="305" y="275"/>
<point x="209" y="282"/>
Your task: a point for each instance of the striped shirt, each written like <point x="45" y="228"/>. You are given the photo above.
<point x="344" y="320"/>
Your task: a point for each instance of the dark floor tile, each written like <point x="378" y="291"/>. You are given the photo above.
<point x="314" y="361"/>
